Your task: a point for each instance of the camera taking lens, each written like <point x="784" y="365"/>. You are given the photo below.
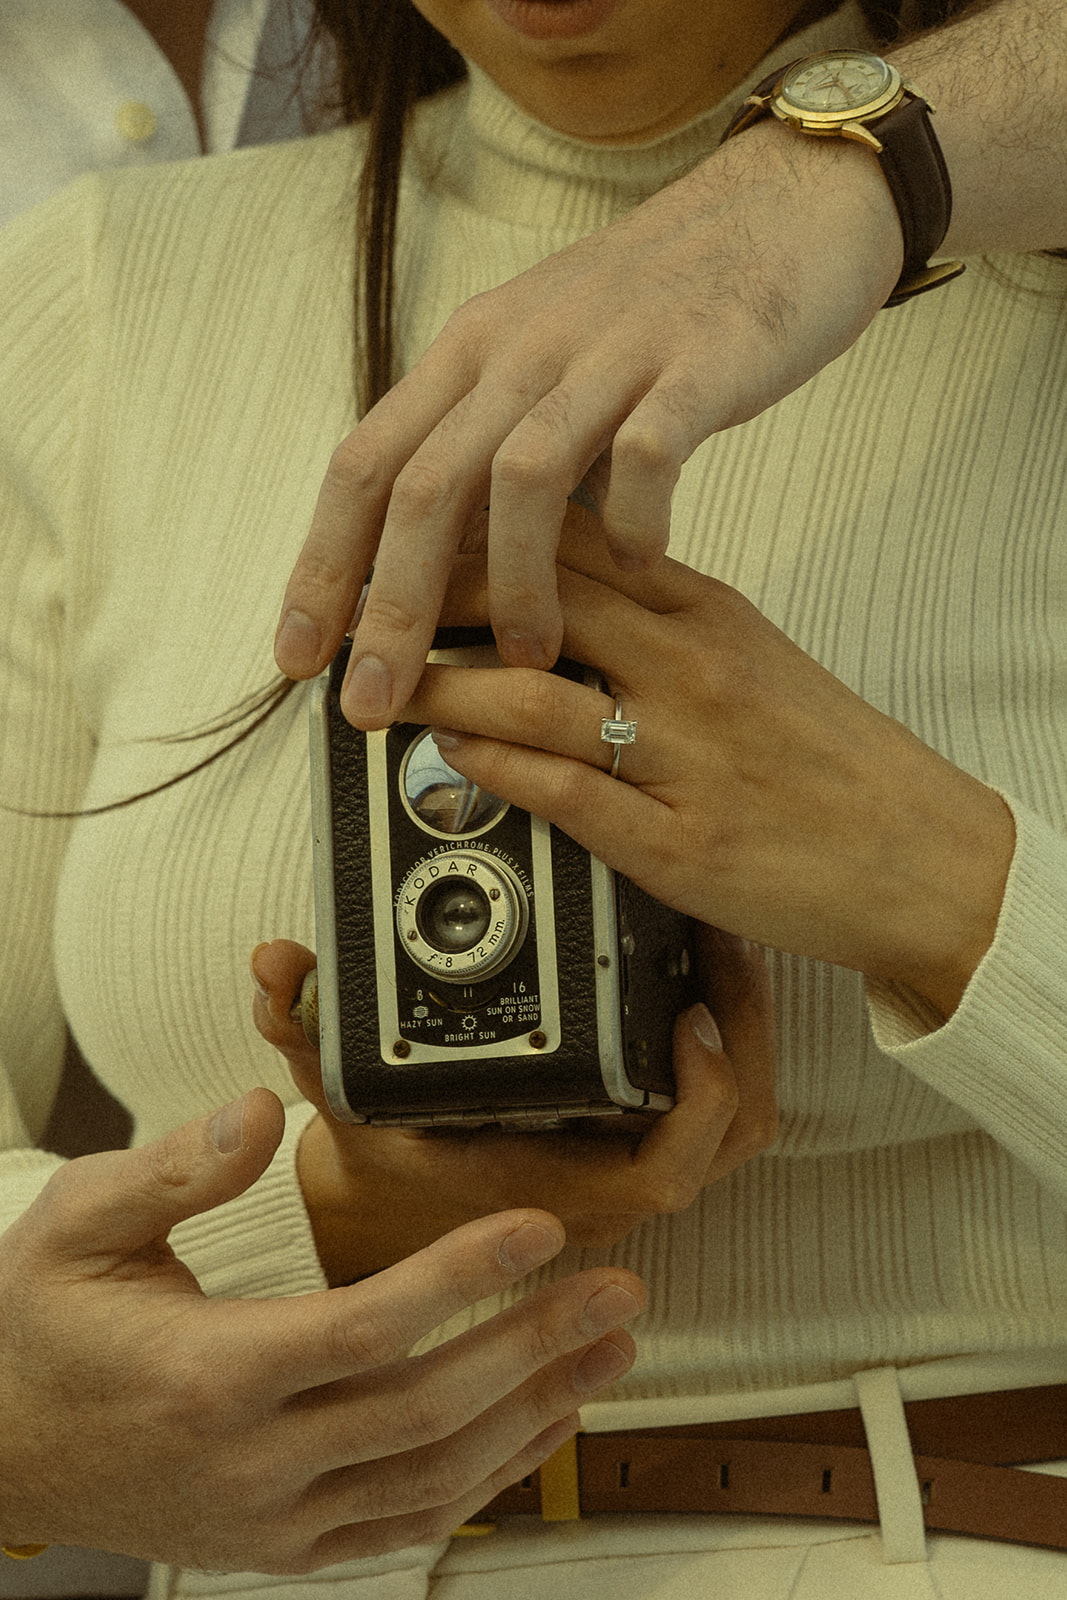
<point x="461" y="915"/>
<point x="454" y="917"/>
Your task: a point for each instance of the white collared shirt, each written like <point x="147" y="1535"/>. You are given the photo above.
<point x="84" y="86"/>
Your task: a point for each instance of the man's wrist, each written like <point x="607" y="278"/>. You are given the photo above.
<point x="838" y="183"/>
<point x="996" y="74"/>
<point x="852" y="96"/>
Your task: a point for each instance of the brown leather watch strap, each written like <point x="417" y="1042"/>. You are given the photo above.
<point x="918" y="180"/>
<point x="817" y="1466"/>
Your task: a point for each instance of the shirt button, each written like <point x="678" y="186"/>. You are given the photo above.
<point x="136" y="122"/>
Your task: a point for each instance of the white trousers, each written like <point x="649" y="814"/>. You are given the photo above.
<point x="735" y="1558"/>
<point x="665" y="1558"/>
<point x="759" y="1558"/>
<point x="694" y="1557"/>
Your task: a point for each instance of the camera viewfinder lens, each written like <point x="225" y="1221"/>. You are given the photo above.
<point x="440" y="799"/>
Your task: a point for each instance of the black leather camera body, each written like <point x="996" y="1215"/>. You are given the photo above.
<point x="474" y="963"/>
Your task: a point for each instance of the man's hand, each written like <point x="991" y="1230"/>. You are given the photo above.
<point x="611" y="361"/>
<point x="607" y="363"/>
<point x="273" y="1436"/>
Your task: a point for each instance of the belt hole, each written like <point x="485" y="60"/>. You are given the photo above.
<point x="526" y="1483"/>
<point x="624" y="1474"/>
<point x="927" y="1492"/>
<point x="724" y="1475"/>
<point x="827" y="1479"/>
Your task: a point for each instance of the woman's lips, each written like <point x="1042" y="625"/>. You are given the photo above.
<point x="554" y="19"/>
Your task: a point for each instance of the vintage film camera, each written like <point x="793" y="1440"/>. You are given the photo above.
<point x="474" y="964"/>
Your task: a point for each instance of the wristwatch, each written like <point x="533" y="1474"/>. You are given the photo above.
<point x="851" y="94"/>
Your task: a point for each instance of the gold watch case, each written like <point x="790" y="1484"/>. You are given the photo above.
<point x="836" y="94"/>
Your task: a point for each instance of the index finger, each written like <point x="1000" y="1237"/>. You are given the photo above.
<point x="342" y="1332"/>
<point x="331" y="569"/>
<point x="435" y="496"/>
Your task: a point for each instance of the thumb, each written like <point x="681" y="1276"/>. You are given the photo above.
<point x="279" y="969"/>
<point x="102" y="1208"/>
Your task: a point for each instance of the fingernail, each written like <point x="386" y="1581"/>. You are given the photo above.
<point x="704" y="1026"/>
<point x="369" y="690"/>
<point x="298" y="645"/>
<point x="609" y="1308"/>
<point x="228" y="1127"/>
<point x="527" y="1247"/>
<point x="261" y="987"/>
<point x="602" y="1364"/>
<point x="445" y="739"/>
<point x="522" y="649"/>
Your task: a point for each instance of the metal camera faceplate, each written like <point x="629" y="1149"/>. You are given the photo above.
<point x="496" y="999"/>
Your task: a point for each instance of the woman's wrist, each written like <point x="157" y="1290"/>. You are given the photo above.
<point x="361" y="1219"/>
<point x="951" y="887"/>
<point x="337" y="1219"/>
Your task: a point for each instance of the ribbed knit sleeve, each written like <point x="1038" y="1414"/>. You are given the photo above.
<point x="260" y="1244"/>
<point x="45" y="743"/>
<point x="1003" y="1054"/>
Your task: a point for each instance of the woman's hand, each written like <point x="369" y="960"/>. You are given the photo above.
<point x="375" y="1194"/>
<point x="271" y="1435"/>
<point x="608" y="362"/>
<point x="761" y="795"/>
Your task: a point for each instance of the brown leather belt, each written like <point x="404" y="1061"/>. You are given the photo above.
<point x="967" y="1449"/>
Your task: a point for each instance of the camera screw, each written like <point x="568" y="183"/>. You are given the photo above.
<point x="538" y="1040"/>
<point x="401" y="1048"/>
<point x="494" y="894"/>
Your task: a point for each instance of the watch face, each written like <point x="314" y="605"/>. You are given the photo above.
<point x="841" y="81"/>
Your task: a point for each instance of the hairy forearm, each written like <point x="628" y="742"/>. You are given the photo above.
<point x="998" y="78"/>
